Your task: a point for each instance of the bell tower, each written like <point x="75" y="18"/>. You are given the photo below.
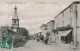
<point x="15" y="19"/>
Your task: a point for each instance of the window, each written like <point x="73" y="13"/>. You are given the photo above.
<point x="14" y="21"/>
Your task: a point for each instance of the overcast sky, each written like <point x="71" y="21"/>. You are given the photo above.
<point x="32" y="13"/>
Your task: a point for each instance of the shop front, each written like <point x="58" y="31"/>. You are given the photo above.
<point x="65" y="37"/>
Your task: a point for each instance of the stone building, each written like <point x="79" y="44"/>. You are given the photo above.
<point x="44" y="30"/>
<point x="50" y="27"/>
<point x="69" y="17"/>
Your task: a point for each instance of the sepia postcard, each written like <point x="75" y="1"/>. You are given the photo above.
<point x="39" y="25"/>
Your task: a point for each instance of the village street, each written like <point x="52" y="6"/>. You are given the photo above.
<point x="33" y="45"/>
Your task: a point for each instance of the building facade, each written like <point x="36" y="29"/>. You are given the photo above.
<point x="44" y="30"/>
<point x="70" y="16"/>
<point x="50" y="27"/>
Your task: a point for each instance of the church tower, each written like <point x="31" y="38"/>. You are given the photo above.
<point x="15" y="19"/>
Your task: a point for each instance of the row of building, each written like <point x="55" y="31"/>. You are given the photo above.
<point x="65" y="28"/>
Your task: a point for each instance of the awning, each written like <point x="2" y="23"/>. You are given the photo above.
<point x="64" y="33"/>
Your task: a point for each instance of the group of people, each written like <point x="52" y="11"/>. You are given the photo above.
<point x="43" y="39"/>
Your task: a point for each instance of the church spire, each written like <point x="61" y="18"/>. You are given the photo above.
<point x="15" y="13"/>
<point x="15" y="9"/>
<point x="15" y="19"/>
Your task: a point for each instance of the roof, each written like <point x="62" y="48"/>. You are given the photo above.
<point x="76" y="2"/>
<point x="15" y="14"/>
<point x="64" y="33"/>
<point x="51" y="21"/>
<point x="9" y="30"/>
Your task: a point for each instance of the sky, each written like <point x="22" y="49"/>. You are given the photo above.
<point x="32" y="13"/>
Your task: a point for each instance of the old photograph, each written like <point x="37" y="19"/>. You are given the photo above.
<point x="39" y="25"/>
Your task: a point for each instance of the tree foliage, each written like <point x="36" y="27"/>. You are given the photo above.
<point x="23" y="31"/>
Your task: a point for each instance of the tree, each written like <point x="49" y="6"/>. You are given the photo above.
<point x="23" y="31"/>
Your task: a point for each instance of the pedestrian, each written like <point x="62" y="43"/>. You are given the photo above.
<point x="46" y="40"/>
<point x="38" y="39"/>
<point x="42" y="38"/>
